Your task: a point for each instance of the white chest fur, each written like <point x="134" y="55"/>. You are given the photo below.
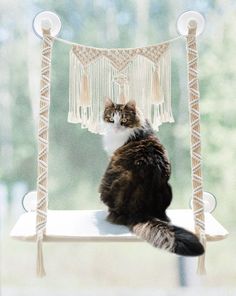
<point x="115" y="137"/>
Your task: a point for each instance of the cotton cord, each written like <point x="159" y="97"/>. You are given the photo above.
<point x="92" y="47"/>
<point x="40" y="264"/>
<point x="43" y="127"/>
<point x="194" y="96"/>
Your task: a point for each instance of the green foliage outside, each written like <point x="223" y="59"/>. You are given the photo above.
<point x="77" y="160"/>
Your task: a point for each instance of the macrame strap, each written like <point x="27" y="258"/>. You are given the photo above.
<point x="194" y="95"/>
<point x="43" y="127"/>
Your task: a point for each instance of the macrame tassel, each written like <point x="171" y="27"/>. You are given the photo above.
<point x="85" y="99"/>
<point x="122" y="98"/>
<point x="201" y="269"/>
<point x="40" y="265"/>
<point x="157" y="92"/>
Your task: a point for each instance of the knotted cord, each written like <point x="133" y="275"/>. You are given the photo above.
<point x="194" y="97"/>
<point x="43" y="128"/>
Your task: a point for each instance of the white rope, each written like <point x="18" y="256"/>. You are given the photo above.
<point x="73" y="43"/>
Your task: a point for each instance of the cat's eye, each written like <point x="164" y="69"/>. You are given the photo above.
<point x="111" y="119"/>
<point x="124" y="120"/>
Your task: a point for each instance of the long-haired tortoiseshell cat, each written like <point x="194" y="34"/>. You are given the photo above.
<point x="135" y="185"/>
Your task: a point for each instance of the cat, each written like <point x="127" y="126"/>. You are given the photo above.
<point x="135" y="185"/>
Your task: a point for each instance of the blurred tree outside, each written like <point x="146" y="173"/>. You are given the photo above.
<point x="77" y="160"/>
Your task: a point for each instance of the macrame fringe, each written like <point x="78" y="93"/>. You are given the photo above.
<point x="157" y="93"/>
<point x="73" y="115"/>
<point x="201" y="269"/>
<point x="122" y="98"/>
<point x="141" y="74"/>
<point x="40" y="264"/>
<point x="85" y="100"/>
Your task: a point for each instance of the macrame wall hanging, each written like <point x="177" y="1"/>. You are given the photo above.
<point x="142" y="74"/>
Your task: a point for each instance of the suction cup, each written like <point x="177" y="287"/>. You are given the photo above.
<point x="209" y="201"/>
<point x="29" y="201"/>
<point x="46" y="20"/>
<point x="190" y="18"/>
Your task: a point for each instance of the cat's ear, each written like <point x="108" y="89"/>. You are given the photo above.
<point x="108" y="102"/>
<point x="131" y="104"/>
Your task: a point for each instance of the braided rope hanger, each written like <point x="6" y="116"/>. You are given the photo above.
<point x="42" y="181"/>
<point x="194" y="96"/>
<point x="43" y="128"/>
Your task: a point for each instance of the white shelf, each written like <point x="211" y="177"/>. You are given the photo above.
<point x="92" y="226"/>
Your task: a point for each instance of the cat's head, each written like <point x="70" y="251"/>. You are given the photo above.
<point x="122" y="115"/>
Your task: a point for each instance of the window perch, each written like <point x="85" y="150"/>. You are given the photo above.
<point x="86" y="99"/>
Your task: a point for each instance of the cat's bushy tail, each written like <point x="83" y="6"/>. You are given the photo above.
<point x="168" y="237"/>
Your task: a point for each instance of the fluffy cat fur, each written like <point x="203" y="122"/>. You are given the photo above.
<point x="135" y="185"/>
